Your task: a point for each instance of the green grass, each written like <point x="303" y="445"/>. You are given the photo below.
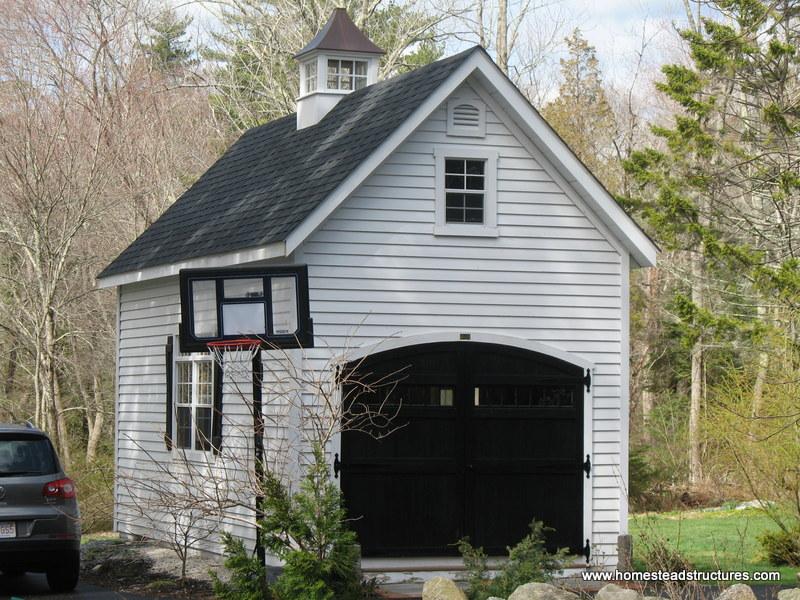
<point x="711" y="540"/>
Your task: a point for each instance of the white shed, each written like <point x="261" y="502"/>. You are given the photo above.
<point x="444" y="227"/>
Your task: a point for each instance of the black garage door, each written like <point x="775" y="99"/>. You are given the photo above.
<point x="491" y="437"/>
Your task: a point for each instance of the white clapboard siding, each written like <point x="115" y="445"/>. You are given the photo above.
<point x="377" y="271"/>
<point x="149" y="313"/>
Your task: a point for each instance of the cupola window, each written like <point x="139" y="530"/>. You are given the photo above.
<point x="347" y="74"/>
<point x="310" y="72"/>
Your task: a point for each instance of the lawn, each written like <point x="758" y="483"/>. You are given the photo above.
<point x="711" y="540"/>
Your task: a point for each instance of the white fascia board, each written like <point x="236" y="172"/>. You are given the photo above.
<point x="641" y="248"/>
<point x="229" y="259"/>
<point x="389" y="145"/>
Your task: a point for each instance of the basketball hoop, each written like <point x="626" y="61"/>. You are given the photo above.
<point x="239" y="350"/>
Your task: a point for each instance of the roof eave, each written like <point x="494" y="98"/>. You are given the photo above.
<point x="228" y="259"/>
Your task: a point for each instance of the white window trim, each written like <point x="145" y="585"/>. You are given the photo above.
<point x="489" y="226"/>
<point x="194" y="358"/>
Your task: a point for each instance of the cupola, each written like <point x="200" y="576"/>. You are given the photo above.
<point x="339" y="60"/>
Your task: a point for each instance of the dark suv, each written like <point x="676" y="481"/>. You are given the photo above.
<point x="39" y="519"/>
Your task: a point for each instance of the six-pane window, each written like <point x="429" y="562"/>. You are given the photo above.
<point x="311" y="76"/>
<point x="464" y="184"/>
<point x="194" y="386"/>
<point x="347" y="74"/>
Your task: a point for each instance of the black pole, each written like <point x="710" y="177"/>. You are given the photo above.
<point x="258" y="445"/>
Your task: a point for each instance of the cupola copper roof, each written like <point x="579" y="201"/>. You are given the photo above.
<point x="340" y="34"/>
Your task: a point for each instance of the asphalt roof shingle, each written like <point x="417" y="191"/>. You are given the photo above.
<point x="273" y="176"/>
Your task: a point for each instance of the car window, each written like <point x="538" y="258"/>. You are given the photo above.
<point x="21" y="454"/>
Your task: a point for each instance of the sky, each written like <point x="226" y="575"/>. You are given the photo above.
<point x="616" y="28"/>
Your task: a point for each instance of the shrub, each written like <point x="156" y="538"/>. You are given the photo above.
<point x="656" y="553"/>
<point x="528" y="561"/>
<point x="781" y="547"/>
<point x="248" y="579"/>
<point x="308" y="531"/>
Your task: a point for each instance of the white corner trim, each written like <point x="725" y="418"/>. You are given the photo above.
<point x="368" y="166"/>
<point x="474" y="337"/>
<point x="274" y="250"/>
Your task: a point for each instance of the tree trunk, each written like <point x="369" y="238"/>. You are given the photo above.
<point x="696" y="385"/>
<point x="95" y="424"/>
<point x="52" y="391"/>
<point x="502" y="35"/>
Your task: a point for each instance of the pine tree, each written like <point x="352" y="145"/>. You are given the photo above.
<point x="169" y="47"/>
<point x="581" y="114"/>
<point x="719" y="189"/>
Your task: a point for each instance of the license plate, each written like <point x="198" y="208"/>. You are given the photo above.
<point x="8" y="529"/>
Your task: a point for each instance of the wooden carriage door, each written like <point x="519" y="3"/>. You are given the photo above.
<point x="491" y="437"/>
<point x="524" y="448"/>
<point x="405" y="491"/>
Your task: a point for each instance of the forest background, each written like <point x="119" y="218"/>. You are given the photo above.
<point x="110" y="109"/>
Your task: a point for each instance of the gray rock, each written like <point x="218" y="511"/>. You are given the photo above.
<point x="494" y="598"/>
<point x="739" y="591"/>
<point x="615" y="592"/>
<point x="753" y="504"/>
<point x="790" y="594"/>
<point x="440" y="588"/>
<point x="541" y="591"/>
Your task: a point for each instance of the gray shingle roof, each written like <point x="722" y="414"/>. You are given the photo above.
<point x="273" y="176"/>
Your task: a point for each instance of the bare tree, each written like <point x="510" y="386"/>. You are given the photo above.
<point x="307" y="401"/>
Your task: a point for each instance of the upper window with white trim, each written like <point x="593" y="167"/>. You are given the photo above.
<point x="466" y="191"/>
<point x="347" y="74"/>
<point x="464" y="183"/>
<point x="194" y="401"/>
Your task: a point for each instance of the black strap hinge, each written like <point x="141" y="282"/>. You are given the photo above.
<point x="337" y="466"/>
<point x="587" y="380"/>
<point x="587" y="551"/>
<point x="587" y="466"/>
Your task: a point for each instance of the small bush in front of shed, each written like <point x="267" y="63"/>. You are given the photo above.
<point x="308" y="531"/>
<point x="781" y="547"/>
<point x="248" y="580"/>
<point x="528" y="561"/>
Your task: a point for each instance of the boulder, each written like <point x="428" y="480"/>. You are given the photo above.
<point x="790" y="594"/>
<point x="541" y="591"/>
<point x="494" y="598"/>
<point x="615" y="592"/>
<point x="440" y="588"/>
<point x="739" y="591"/>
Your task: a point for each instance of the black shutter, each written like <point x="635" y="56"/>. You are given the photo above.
<point x="168" y="403"/>
<point x="216" y="421"/>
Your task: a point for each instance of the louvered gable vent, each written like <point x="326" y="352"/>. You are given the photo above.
<point x="466" y="118"/>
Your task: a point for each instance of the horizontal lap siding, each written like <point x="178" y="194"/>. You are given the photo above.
<point x="377" y="271"/>
<point x="149" y="312"/>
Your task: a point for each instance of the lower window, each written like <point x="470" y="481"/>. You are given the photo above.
<point x="194" y="387"/>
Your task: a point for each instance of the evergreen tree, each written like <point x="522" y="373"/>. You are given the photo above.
<point x="581" y="114"/>
<point x="719" y="189"/>
<point x="169" y="46"/>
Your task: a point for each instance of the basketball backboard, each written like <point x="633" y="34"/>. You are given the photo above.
<point x="268" y="303"/>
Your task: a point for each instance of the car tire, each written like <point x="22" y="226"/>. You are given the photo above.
<point x="64" y="578"/>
